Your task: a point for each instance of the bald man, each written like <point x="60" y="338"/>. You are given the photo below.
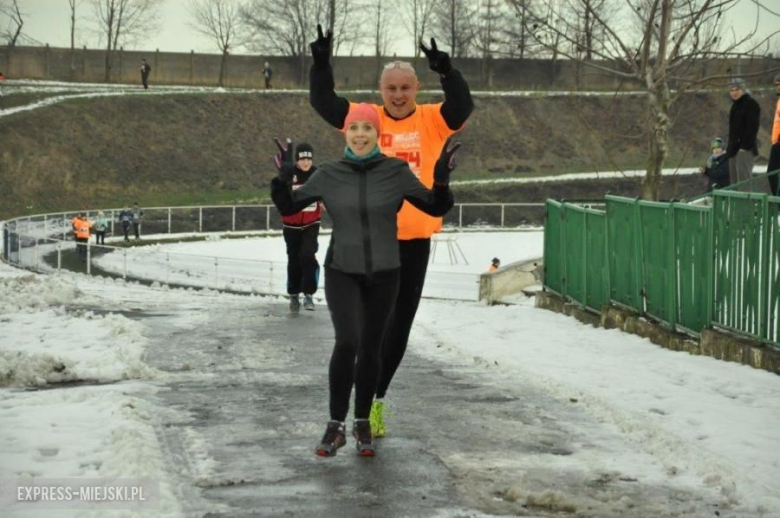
<point x="415" y="133"/>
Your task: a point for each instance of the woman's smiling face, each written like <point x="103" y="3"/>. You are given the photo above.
<point x="361" y="137"/>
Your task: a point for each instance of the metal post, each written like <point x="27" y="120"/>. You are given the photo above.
<point x="233" y="226"/>
<point x="169" y="220"/>
<point x="45" y="226"/>
<point x="268" y="217"/>
<point x="502" y="215"/>
<point x="168" y="268"/>
<point x="89" y="257"/>
<point x="36" y="255"/>
<point x="460" y="216"/>
<point x="59" y="256"/>
<point x="124" y="270"/>
<point x="200" y="219"/>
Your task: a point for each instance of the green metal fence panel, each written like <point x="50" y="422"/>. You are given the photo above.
<point x="623" y="253"/>
<point x="574" y="260"/>
<point x="740" y="243"/>
<point x="553" y="248"/>
<point x="658" y="269"/>
<point x="693" y="232"/>
<point x="773" y="271"/>
<point x="596" y="267"/>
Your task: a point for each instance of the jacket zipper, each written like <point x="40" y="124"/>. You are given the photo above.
<point x="363" y="207"/>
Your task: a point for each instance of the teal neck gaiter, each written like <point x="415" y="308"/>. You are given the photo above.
<point x="352" y="156"/>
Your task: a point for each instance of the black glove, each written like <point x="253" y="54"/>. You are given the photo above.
<point x="283" y="160"/>
<point x="445" y="164"/>
<point x="320" y="48"/>
<point x="438" y="60"/>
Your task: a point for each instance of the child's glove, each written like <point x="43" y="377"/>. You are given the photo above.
<point x="283" y="160"/>
<point x="445" y="164"/>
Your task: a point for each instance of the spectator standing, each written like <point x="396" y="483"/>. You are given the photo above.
<point x="415" y="133"/>
<point x="267" y="75"/>
<point x="138" y="214"/>
<point x="495" y="264"/>
<point x="774" y="153"/>
<point x="744" y="119"/>
<point x="717" y="167"/>
<point x="301" y="232"/>
<point x="100" y="226"/>
<point x="145" y="69"/>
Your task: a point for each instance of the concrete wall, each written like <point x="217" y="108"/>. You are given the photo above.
<point x="350" y="72"/>
<point x="508" y="280"/>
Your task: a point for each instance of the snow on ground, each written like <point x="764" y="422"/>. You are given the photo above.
<point x="700" y="416"/>
<point x="258" y="264"/>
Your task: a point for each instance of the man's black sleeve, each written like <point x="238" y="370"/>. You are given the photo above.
<point x="323" y="98"/>
<point x="458" y="103"/>
<point x="751" y="125"/>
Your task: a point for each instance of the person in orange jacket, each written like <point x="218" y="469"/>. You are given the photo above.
<point x="774" y="153"/>
<point x="495" y="264"/>
<point x="415" y="133"/>
<point x="81" y="229"/>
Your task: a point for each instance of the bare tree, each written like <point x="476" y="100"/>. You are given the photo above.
<point x="674" y="35"/>
<point x="73" y="5"/>
<point x="13" y="26"/>
<point x="219" y="20"/>
<point x="417" y="16"/>
<point x="286" y="27"/>
<point x="121" y="21"/>
<point x="451" y="26"/>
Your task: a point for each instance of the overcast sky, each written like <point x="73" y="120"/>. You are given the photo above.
<point x="47" y="21"/>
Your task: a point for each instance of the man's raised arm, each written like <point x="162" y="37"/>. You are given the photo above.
<point x="322" y="94"/>
<point x="458" y="103"/>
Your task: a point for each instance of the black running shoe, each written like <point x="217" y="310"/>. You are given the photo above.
<point x="335" y="437"/>
<point x="361" y="431"/>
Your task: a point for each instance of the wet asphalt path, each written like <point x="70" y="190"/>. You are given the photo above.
<point x="464" y="440"/>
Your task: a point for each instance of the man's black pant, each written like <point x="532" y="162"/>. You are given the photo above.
<point x="126" y="230"/>
<point x="100" y="237"/>
<point x="774" y="165"/>
<point x="145" y="81"/>
<point x="303" y="270"/>
<point x="137" y="229"/>
<point x="360" y="309"/>
<point x="414" y="264"/>
<point x="81" y="247"/>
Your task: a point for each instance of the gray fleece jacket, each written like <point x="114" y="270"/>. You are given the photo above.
<point x="363" y="199"/>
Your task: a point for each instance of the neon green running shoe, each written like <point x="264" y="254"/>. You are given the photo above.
<point x="378" y="428"/>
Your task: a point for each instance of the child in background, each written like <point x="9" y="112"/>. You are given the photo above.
<point x="717" y="168"/>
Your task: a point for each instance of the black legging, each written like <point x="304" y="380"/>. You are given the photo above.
<point x="359" y="309"/>
<point x="303" y="270"/>
<point x="414" y="263"/>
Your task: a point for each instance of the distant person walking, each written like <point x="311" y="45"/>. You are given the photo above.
<point x="774" y="154"/>
<point x="138" y="214"/>
<point x="145" y="69"/>
<point x="81" y="226"/>
<point x="744" y="120"/>
<point x="126" y="219"/>
<point x="100" y="226"/>
<point x="301" y="232"/>
<point x="267" y="75"/>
